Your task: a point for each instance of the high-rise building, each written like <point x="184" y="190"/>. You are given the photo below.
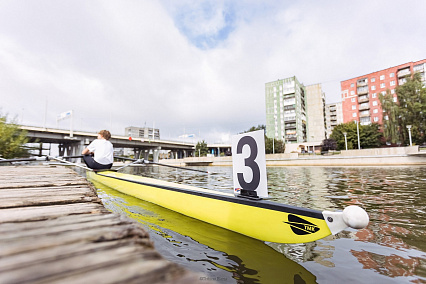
<point x="333" y="116"/>
<point x="315" y="113"/>
<point x="360" y="95"/>
<point x="286" y="110"/>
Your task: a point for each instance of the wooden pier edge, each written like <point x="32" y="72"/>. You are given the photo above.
<point x="54" y="229"/>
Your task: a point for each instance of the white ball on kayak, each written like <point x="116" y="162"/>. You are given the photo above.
<point x="355" y="217"/>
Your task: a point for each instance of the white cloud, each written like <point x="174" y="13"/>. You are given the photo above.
<point x="119" y="64"/>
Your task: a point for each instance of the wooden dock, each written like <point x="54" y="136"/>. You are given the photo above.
<point x="54" y="229"/>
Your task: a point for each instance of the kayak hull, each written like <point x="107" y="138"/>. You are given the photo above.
<point x="259" y="219"/>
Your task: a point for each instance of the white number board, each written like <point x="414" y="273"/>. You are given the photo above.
<point x="248" y="162"/>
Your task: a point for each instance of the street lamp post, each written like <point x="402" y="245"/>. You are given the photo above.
<point x="357" y="132"/>
<point x="409" y="134"/>
<point x="273" y="139"/>
<point x="346" y="141"/>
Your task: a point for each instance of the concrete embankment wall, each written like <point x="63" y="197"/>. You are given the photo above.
<point x="364" y="157"/>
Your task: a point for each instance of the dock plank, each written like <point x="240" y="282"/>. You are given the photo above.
<point x="54" y="228"/>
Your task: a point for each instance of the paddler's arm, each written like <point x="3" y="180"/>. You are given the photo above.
<point x="86" y="152"/>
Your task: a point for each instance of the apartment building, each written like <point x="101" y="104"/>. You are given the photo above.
<point x="360" y="95"/>
<point x="315" y="113"/>
<point x="286" y="110"/>
<point x="142" y="132"/>
<point x="333" y="116"/>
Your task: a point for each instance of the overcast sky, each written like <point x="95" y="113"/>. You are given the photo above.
<point x="194" y="67"/>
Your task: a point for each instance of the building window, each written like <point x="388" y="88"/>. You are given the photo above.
<point x="392" y="83"/>
<point x="382" y="77"/>
<point x="383" y="93"/>
<point x="386" y="117"/>
<point x="374" y="95"/>
<point x="382" y="85"/>
<point x="393" y="91"/>
<point x="354" y="114"/>
<point x="375" y="110"/>
<point x="352" y="93"/>
<point x="373" y="80"/>
<point x="374" y="103"/>
<point x="353" y="107"/>
<point x="392" y="75"/>
<point x="395" y="99"/>
<point x="373" y="88"/>
<point x="353" y="100"/>
<point x="376" y="119"/>
<point x="352" y="85"/>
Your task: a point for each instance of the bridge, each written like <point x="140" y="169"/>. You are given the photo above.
<point x="72" y="143"/>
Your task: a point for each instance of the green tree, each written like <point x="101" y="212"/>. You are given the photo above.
<point x="410" y="109"/>
<point x="370" y="135"/>
<point x="278" y="146"/>
<point x="390" y="118"/>
<point x="255" y="128"/>
<point x="271" y="145"/>
<point x="12" y="139"/>
<point x="328" y="144"/>
<point x="201" y="149"/>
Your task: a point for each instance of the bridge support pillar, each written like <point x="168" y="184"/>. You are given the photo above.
<point x="155" y="154"/>
<point x="137" y="153"/>
<point x="145" y="154"/>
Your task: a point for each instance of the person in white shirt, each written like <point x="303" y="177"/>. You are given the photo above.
<point x="99" y="154"/>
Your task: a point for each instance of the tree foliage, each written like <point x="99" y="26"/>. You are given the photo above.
<point x="370" y="135"/>
<point x="274" y="146"/>
<point x="201" y="149"/>
<point x="255" y="128"/>
<point x="328" y="144"/>
<point x="271" y="145"/>
<point x="12" y="139"/>
<point x="410" y="109"/>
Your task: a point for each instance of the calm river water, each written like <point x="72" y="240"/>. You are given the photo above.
<point x="392" y="249"/>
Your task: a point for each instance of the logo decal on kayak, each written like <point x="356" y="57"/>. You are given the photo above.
<point x="300" y="226"/>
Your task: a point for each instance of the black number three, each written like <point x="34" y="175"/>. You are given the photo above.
<point x="249" y="162"/>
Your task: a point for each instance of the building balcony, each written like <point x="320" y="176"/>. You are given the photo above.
<point x="362" y="90"/>
<point x="364" y="114"/>
<point x="419" y="68"/>
<point x="363" y="107"/>
<point x="363" y="99"/>
<point x="404" y="72"/>
<point x="361" y="83"/>
<point x="289" y="107"/>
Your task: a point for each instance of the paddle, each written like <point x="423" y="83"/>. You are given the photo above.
<point x="61" y="159"/>
<point x="23" y="160"/>
<point x="70" y="163"/>
<point x="142" y="161"/>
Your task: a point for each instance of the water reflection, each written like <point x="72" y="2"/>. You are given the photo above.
<point x="390" y="250"/>
<point x="221" y="254"/>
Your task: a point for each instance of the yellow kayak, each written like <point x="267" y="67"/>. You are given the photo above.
<point x="260" y="219"/>
<point x="247" y="258"/>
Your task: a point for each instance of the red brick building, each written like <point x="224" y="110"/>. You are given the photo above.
<point x="360" y="95"/>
